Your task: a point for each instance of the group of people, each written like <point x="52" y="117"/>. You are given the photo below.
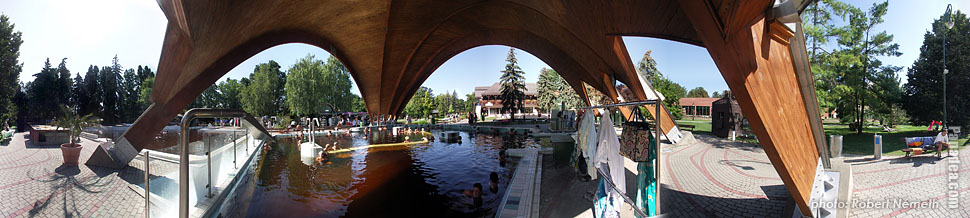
<point x="476" y="192"/>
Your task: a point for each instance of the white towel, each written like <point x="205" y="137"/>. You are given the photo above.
<point x="608" y="152"/>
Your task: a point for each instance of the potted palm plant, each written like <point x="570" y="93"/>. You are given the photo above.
<point x="75" y="125"/>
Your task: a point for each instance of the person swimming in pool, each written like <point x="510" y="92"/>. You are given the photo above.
<point x="493" y="182"/>
<point x="475" y="192"/>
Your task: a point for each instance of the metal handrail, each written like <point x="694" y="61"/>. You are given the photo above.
<point x="184" y="153"/>
<point x="606" y="177"/>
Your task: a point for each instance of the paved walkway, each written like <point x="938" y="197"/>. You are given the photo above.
<point x="720" y="178"/>
<point x="921" y="181"/>
<point x="34" y="183"/>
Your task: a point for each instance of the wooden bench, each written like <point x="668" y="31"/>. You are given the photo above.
<point x="686" y="126"/>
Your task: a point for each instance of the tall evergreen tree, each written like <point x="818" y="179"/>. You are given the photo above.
<point x="43" y="94"/>
<point x="553" y="91"/>
<point x="128" y="95"/>
<point x="109" y="80"/>
<point x="513" y="86"/>
<point x="647" y="67"/>
<point x="78" y="96"/>
<point x="923" y="92"/>
<point x="671" y="91"/>
<point x="92" y="88"/>
<point x="64" y="83"/>
<point x="10" y="67"/>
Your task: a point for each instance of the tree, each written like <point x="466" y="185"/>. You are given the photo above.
<point x="818" y="30"/>
<point x="263" y="96"/>
<point x="715" y="94"/>
<point x="421" y="103"/>
<point x="92" y="88"/>
<point x="470" y="102"/>
<point x="129" y="95"/>
<point x="358" y="104"/>
<point x="554" y="91"/>
<point x="229" y="94"/>
<point x="698" y="92"/>
<point x="304" y="87"/>
<point x="857" y="61"/>
<point x="110" y="79"/>
<point x="10" y="67"/>
<point x="209" y="98"/>
<point x="513" y="86"/>
<point x="923" y="93"/>
<point x="671" y="91"/>
<point x="77" y="93"/>
<point x="145" y="92"/>
<point x="145" y="74"/>
<point x="62" y="89"/>
<point x="647" y="67"/>
<point x="337" y="85"/>
<point x="43" y="94"/>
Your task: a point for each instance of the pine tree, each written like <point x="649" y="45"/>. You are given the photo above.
<point x="513" y="86"/>
<point x="10" y="67"/>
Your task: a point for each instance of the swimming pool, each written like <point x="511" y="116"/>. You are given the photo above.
<point x="419" y="180"/>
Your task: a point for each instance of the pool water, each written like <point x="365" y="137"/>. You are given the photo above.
<point x="419" y="180"/>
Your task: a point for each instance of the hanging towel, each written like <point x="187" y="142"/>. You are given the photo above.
<point x="587" y="142"/>
<point x="608" y="152"/>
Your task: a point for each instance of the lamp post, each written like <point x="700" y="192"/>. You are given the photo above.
<point x="948" y="22"/>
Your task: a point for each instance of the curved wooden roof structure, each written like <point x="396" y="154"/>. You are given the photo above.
<point x="391" y="47"/>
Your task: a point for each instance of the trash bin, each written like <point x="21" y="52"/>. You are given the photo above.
<point x="835" y="145"/>
<point x="877" y="147"/>
<point x="954" y="133"/>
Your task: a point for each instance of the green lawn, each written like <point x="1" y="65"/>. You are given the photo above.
<point x="700" y="126"/>
<point x="862" y="144"/>
<point x="852" y="143"/>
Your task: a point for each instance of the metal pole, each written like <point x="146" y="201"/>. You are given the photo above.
<point x="234" y="147"/>
<point x="944" y="71"/>
<point x="208" y="159"/>
<point x="147" y="188"/>
<point x="656" y="161"/>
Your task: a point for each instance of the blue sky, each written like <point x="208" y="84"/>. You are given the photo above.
<point x="92" y="32"/>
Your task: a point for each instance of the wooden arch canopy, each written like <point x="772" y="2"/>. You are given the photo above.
<point x="391" y="47"/>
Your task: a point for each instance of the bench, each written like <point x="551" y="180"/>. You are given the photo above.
<point x="919" y="145"/>
<point x="686" y="126"/>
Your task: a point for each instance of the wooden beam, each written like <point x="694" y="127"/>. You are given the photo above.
<point x="757" y="64"/>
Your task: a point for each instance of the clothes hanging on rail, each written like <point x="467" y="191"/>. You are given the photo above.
<point x="606" y="202"/>
<point x="638" y="144"/>
<point x="608" y="151"/>
<point x="588" y="143"/>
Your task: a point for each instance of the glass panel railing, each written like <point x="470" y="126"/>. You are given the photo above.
<point x="216" y="153"/>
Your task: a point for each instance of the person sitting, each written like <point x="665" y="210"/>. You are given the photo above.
<point x="475" y="192"/>
<point x="493" y="182"/>
<point x="942" y="142"/>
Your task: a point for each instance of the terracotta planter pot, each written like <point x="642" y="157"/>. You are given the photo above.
<point x="71" y="153"/>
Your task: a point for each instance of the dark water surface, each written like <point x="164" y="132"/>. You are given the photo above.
<point x="413" y="181"/>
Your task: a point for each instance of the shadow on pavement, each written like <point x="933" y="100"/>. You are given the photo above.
<point x="64" y="184"/>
